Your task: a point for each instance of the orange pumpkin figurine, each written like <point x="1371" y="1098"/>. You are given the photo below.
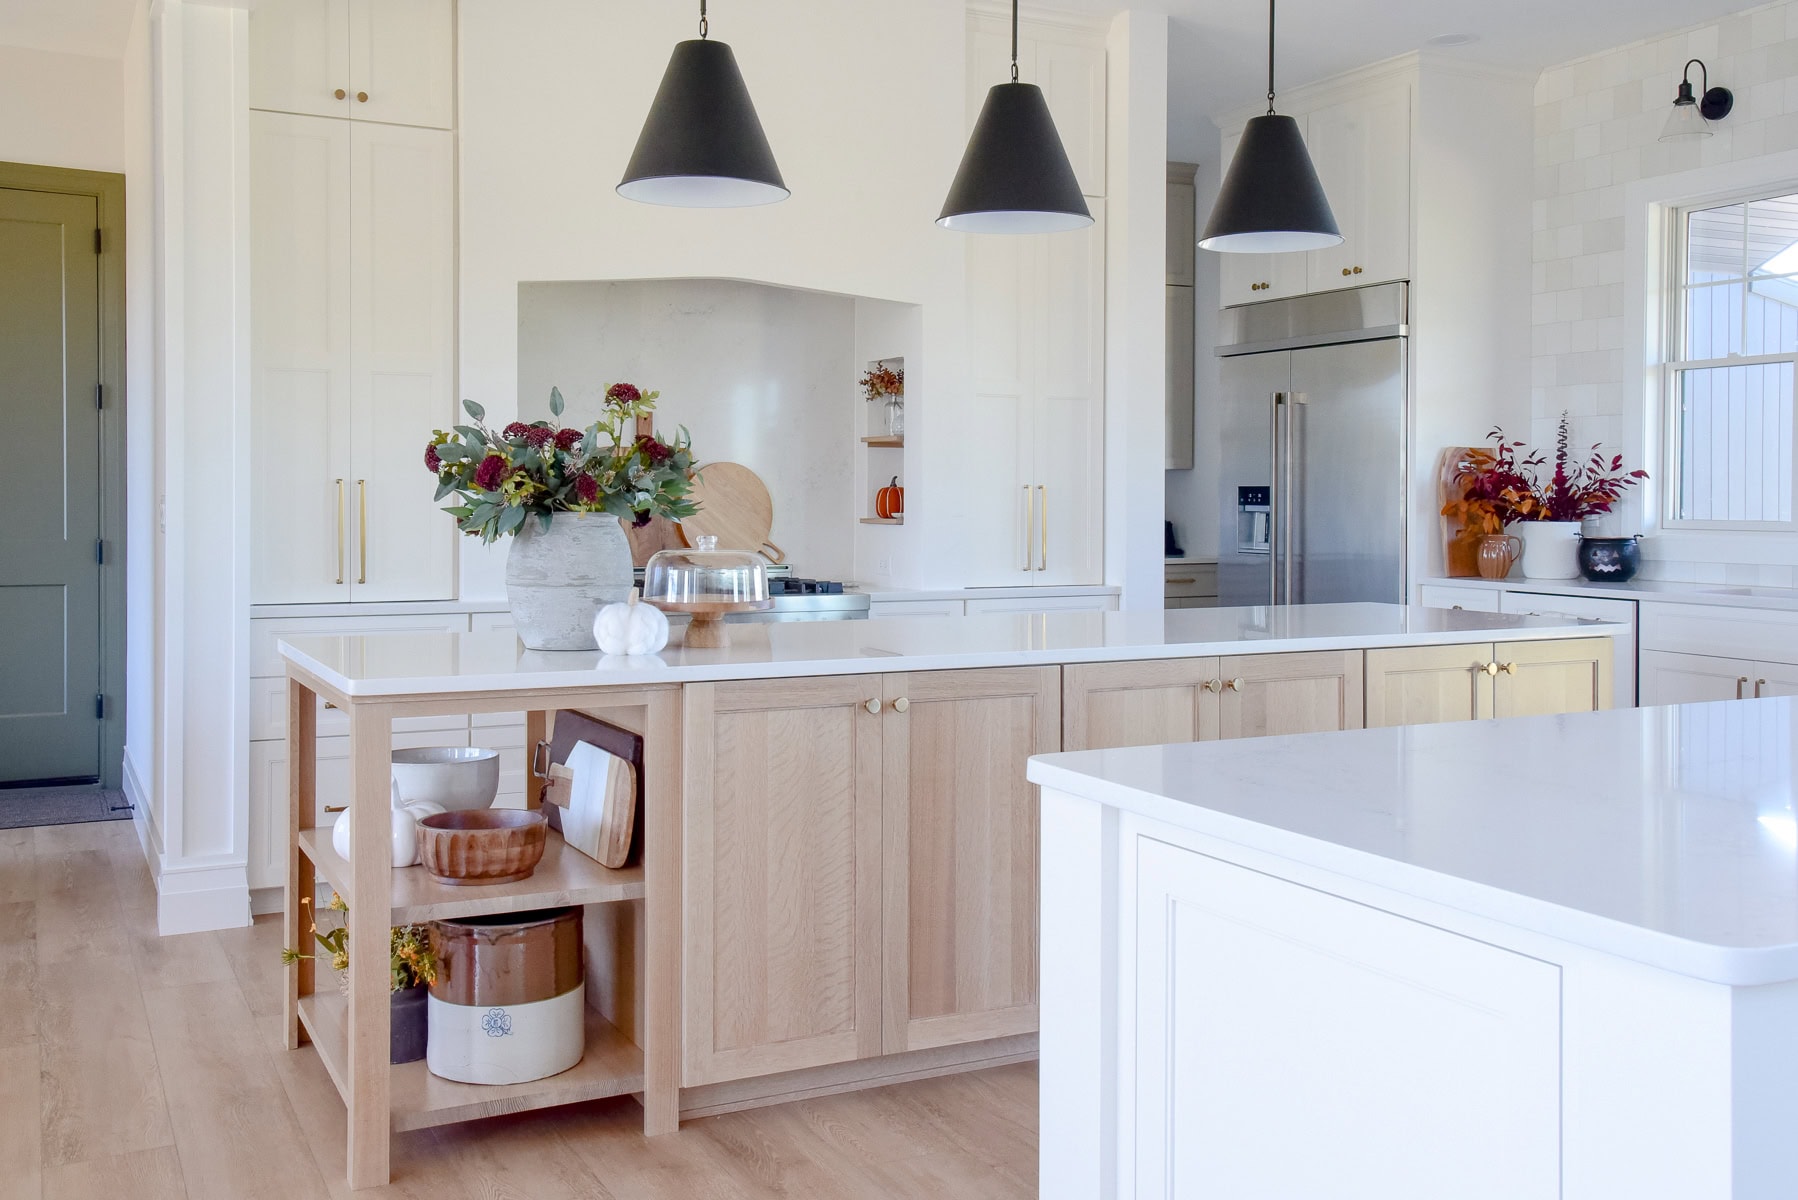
<point x="889" y="501"/>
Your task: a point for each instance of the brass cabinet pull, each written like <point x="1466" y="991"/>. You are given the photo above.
<point x="1758" y="685"/>
<point x="362" y="529"/>
<point x="901" y="704"/>
<point x="340" y="531"/>
<point x="1741" y="682"/>
<point x="1214" y="686"/>
<point x="339" y="94"/>
<point x="1508" y="668"/>
<point x="328" y="704"/>
<point x="331" y="808"/>
<point x="1357" y="270"/>
<point x="1235" y="685"/>
<point x="362" y="97"/>
<point x="1491" y="669"/>
<point x="873" y="706"/>
<point x="1029" y="525"/>
<point x="1042" y="523"/>
<point x="1182" y="580"/>
<point x="1345" y="270"/>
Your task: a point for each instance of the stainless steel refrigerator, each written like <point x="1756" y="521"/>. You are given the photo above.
<point x="1314" y="425"/>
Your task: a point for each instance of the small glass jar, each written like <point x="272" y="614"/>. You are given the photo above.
<point x="708" y="583"/>
<point x="895" y="416"/>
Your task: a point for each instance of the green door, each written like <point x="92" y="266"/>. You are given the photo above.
<point x="49" y="570"/>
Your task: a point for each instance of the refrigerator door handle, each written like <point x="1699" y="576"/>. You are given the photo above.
<point x="1273" y="495"/>
<point x="1289" y="501"/>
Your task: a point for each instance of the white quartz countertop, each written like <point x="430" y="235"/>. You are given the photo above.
<point x="1662" y="835"/>
<point x="1659" y="591"/>
<point x="422" y="664"/>
<point x="1025" y="591"/>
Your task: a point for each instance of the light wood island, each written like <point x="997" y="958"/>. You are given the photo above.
<point x="839" y="883"/>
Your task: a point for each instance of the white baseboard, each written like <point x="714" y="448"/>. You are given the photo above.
<point x="143" y="817"/>
<point x="196" y="900"/>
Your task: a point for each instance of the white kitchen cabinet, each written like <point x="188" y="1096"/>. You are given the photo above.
<point x="1362" y="151"/>
<point x="1674" y="678"/>
<point x="1036" y="313"/>
<point x="352" y="257"/>
<point x="915" y="608"/>
<point x="390" y="61"/>
<point x="1470" y="599"/>
<point x="1252" y="278"/>
<point x="1190" y="584"/>
<point x="1242" y="984"/>
<point x="1182" y="220"/>
<point x="1588" y="608"/>
<point x="1041" y="604"/>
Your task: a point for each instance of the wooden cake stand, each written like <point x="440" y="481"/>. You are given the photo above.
<point x="708" y="630"/>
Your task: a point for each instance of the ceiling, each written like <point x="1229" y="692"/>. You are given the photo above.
<point x="96" y="27"/>
<point x="1218" y="48"/>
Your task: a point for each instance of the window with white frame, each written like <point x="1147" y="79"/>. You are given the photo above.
<point x="1732" y="338"/>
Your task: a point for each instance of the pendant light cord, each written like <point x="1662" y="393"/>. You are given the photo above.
<point x="1014" y="41"/>
<point x="703" y="25"/>
<point x="1270" y="57"/>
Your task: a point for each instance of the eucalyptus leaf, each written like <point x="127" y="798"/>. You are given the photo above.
<point x="475" y="410"/>
<point x="555" y="402"/>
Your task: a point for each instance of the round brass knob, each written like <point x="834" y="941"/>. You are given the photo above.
<point x="1508" y="668"/>
<point x="901" y="704"/>
<point x="1214" y="686"/>
<point x="1357" y="270"/>
<point x="1345" y="270"/>
<point x="1491" y="669"/>
<point x="1236" y="685"/>
<point x="362" y="97"/>
<point x="339" y="93"/>
<point x="873" y="706"/>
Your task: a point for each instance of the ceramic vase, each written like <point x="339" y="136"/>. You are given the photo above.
<point x="1496" y="553"/>
<point x="558" y="580"/>
<point x="1550" y="549"/>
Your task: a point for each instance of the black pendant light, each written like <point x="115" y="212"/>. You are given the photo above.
<point x="1015" y="176"/>
<point x="702" y="145"/>
<point x="1271" y="201"/>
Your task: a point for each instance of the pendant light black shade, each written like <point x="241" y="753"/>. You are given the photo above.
<point x="1271" y="201"/>
<point x="702" y="145"/>
<point x="1015" y="176"/>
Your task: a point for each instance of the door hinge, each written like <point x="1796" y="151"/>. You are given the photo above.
<point x="99" y="551"/>
<point x="99" y="395"/>
<point x="96" y="241"/>
<point x="100" y="707"/>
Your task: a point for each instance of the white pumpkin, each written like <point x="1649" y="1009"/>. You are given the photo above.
<point x="406" y="814"/>
<point x="630" y="628"/>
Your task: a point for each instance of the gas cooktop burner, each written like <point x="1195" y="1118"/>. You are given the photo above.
<point x="804" y="587"/>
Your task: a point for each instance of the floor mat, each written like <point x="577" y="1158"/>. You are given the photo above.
<point x="24" y="807"/>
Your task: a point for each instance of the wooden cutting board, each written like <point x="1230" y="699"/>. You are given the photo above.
<point x="735" y="507"/>
<point x="659" y="534"/>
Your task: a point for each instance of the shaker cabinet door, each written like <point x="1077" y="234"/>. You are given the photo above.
<point x="300" y="57"/>
<point x="960" y="852"/>
<point x="1426" y="685"/>
<point x="1544" y="678"/>
<point x="1269" y="694"/>
<point x="1108" y="706"/>
<point x="782" y="848"/>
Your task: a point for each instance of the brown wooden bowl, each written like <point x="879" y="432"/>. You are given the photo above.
<point x="481" y="845"/>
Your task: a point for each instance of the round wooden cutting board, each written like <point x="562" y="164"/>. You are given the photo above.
<point x="734" y="507"/>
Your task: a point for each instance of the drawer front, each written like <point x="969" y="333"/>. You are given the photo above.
<point x="268" y="715"/>
<point x="1037" y="604"/>
<point x="1767" y="635"/>
<point x="1191" y="579"/>
<point x="1470" y="599"/>
<point x="265" y="657"/>
<point x="1548" y="604"/>
<point x="915" y="608"/>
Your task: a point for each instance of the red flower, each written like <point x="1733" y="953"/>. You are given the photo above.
<point x="517" y="429"/>
<point x="622" y="394"/>
<point x="568" y="439"/>
<point x="433" y="463"/>
<point x="539" y="436"/>
<point x="586" y="488"/>
<point x="655" y="450"/>
<point x="491" y="473"/>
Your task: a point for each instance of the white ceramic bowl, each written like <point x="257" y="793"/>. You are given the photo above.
<point x="456" y="777"/>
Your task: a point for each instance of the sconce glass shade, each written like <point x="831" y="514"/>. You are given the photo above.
<point x="1685" y="122"/>
<point x="702" y="145"/>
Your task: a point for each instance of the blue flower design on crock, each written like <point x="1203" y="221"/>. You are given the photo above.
<point x="497" y="1022"/>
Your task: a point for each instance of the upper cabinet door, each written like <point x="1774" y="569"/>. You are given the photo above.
<point x="1362" y="150"/>
<point x="1072" y="77"/>
<point x="1251" y="278"/>
<point x="402" y="356"/>
<point x="300" y="376"/>
<point x="402" y="59"/>
<point x="1181" y="236"/>
<point x="300" y="57"/>
<point x="1067" y="470"/>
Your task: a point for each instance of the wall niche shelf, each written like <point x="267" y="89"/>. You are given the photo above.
<point x="886" y="441"/>
<point x="875" y="471"/>
<point x="883" y="520"/>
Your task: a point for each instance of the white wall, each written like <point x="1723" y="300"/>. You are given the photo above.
<point x="759" y="375"/>
<point x="1599" y="163"/>
<point x="61" y="110"/>
<point x="552" y="96"/>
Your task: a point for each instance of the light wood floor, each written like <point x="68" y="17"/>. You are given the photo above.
<point x="138" y="1066"/>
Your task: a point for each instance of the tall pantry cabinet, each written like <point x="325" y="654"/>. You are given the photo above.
<point x="352" y="292"/>
<point x="1036" y="337"/>
<point x="353" y="278"/>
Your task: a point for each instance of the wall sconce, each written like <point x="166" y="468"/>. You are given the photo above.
<point x="1692" y="115"/>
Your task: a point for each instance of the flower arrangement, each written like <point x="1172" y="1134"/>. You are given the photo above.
<point x="411" y="960"/>
<point x="881" y="380"/>
<point x="539" y="469"/>
<point x="1504" y="485"/>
